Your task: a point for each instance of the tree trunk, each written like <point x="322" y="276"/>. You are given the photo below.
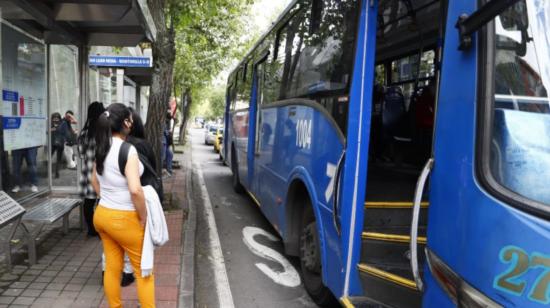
<point x="164" y="55"/>
<point x="186" y="104"/>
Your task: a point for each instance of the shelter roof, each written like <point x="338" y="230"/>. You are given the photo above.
<point x="83" y="22"/>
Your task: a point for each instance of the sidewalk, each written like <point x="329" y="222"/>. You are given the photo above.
<point x="68" y="273"/>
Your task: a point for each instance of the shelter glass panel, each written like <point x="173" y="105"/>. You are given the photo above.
<point x="24" y="114"/>
<point x="64" y="114"/>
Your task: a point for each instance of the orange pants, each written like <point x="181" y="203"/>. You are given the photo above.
<point x="120" y="232"/>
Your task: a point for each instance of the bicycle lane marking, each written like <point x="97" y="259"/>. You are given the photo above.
<point x="289" y="277"/>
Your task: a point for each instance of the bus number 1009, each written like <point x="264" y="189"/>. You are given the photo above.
<point x="303" y="134"/>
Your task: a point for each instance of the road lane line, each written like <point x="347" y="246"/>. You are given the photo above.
<point x="225" y="298"/>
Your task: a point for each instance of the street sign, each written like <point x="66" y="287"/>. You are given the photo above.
<point x="115" y="61"/>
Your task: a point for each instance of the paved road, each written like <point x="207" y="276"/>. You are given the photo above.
<point x="249" y="286"/>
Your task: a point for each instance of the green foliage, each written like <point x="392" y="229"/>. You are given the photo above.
<point x="210" y="102"/>
<point x="207" y="34"/>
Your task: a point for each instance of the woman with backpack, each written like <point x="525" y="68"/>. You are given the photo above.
<point x="121" y="215"/>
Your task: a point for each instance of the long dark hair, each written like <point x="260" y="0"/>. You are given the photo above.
<point x="55" y="119"/>
<point x="89" y="130"/>
<point x="138" y="130"/>
<point x="109" y="122"/>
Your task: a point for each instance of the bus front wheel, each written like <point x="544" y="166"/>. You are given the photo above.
<point x="310" y="261"/>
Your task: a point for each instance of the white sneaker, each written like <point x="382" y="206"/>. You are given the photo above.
<point x="16" y="189"/>
<point x="34" y="188"/>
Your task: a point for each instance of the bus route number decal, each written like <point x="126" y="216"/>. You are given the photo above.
<point x="511" y="282"/>
<point x="303" y="134"/>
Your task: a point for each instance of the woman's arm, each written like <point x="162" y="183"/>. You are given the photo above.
<point x="95" y="182"/>
<point x="134" y="186"/>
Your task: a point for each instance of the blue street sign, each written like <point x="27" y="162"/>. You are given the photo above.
<point x="10" y="96"/>
<point x="114" y="61"/>
<point x="11" y="122"/>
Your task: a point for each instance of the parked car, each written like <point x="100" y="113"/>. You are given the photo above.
<point x="210" y="134"/>
<point x="218" y="140"/>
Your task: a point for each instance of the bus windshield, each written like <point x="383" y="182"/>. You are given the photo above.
<point x="520" y="149"/>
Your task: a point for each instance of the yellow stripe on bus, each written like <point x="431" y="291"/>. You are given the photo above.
<point x="254" y="198"/>
<point x="387" y="276"/>
<point x="391" y="237"/>
<point x="393" y="205"/>
<point x="346" y="303"/>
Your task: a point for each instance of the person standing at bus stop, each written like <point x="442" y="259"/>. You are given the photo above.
<point x="121" y="215"/>
<point x="86" y="150"/>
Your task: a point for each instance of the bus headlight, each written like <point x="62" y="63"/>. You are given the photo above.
<point x="460" y="292"/>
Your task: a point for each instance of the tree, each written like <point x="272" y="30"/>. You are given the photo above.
<point x="164" y="54"/>
<point x="207" y="39"/>
<point x="211" y="104"/>
<point x="196" y="37"/>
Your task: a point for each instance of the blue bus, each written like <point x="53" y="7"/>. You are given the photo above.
<point x="401" y="149"/>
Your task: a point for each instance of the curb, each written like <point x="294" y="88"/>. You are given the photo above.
<point x="186" y="297"/>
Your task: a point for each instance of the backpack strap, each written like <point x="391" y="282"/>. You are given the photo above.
<point x="123" y="157"/>
<point x="147" y="165"/>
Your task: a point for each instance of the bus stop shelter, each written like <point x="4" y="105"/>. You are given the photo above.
<point x="77" y="24"/>
<point x="83" y="23"/>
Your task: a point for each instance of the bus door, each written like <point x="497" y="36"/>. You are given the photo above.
<point x="488" y="239"/>
<point x="406" y="71"/>
<point x="227" y="115"/>
<point x="255" y="126"/>
<point x="241" y="131"/>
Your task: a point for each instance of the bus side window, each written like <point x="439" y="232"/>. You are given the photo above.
<point x="233" y="94"/>
<point x="269" y="86"/>
<point x="279" y="63"/>
<point x="243" y="89"/>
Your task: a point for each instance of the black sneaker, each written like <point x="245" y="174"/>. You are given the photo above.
<point x="127" y="279"/>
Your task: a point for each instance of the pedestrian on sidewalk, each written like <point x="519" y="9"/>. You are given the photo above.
<point x="121" y="215"/>
<point x="86" y="150"/>
<point x="146" y="154"/>
<point x="167" y="142"/>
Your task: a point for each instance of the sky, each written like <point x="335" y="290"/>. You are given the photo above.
<point x="262" y="14"/>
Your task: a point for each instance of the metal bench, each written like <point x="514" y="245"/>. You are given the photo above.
<point x="10" y="212"/>
<point x="47" y="212"/>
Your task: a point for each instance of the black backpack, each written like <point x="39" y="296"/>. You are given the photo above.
<point x="149" y="176"/>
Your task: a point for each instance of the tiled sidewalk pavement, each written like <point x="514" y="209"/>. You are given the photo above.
<point x="68" y="273"/>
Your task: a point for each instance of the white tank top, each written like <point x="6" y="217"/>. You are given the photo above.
<point x="112" y="184"/>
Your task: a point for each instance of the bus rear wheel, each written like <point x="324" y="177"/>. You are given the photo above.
<point x="237" y="186"/>
<point x="310" y="261"/>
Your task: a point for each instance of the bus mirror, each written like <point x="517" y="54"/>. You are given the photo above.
<point x="468" y="25"/>
<point x="511" y="28"/>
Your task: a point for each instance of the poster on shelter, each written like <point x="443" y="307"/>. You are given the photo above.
<point x="24" y="110"/>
